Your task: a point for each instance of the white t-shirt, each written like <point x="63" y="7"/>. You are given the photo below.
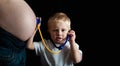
<point x="50" y="59"/>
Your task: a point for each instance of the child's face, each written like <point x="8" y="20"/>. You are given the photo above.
<point x="58" y="32"/>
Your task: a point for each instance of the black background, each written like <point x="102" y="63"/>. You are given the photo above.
<point x="87" y="20"/>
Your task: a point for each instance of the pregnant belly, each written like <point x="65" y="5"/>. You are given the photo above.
<point x="17" y="18"/>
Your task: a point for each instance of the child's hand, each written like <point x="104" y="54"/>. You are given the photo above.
<point x="72" y="35"/>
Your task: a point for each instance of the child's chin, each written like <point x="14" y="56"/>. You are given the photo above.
<point x="59" y="42"/>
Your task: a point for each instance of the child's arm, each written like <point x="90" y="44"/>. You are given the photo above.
<point x="30" y="44"/>
<point x="76" y="54"/>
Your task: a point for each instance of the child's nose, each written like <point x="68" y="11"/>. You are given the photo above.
<point x="59" y="33"/>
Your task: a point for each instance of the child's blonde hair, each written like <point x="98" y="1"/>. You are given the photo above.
<point x="60" y="17"/>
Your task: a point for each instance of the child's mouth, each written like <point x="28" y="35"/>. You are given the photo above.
<point x="58" y="39"/>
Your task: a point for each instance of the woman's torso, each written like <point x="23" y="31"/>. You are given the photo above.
<point x="17" y="18"/>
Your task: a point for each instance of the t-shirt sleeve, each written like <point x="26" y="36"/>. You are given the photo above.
<point x="37" y="47"/>
<point x="78" y="48"/>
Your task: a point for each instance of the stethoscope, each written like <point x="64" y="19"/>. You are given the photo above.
<point x="60" y="47"/>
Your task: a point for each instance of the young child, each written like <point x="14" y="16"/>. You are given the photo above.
<point x="59" y="30"/>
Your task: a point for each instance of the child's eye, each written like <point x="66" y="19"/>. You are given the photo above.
<point x="55" y="30"/>
<point x="63" y="30"/>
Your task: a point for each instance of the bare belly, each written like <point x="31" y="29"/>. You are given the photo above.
<point x="17" y="18"/>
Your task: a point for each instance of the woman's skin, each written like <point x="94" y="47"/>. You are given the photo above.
<point x="17" y="18"/>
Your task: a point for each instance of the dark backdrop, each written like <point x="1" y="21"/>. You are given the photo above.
<point x="83" y="15"/>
